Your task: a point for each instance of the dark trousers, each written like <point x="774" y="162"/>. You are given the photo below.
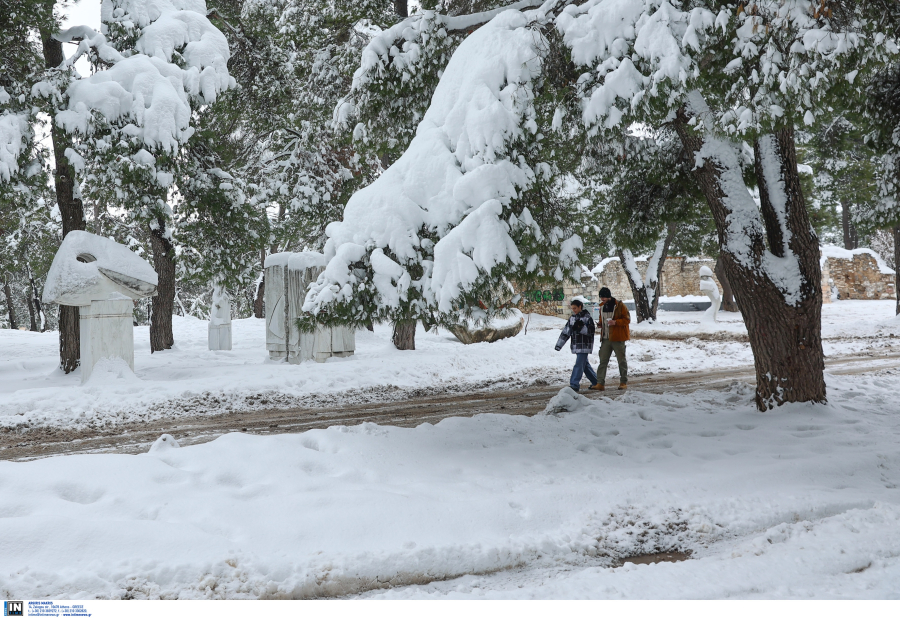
<point x="582" y="367"/>
<point x="607" y="348"/>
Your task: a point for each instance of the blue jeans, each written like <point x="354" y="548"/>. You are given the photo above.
<point x="582" y="367"/>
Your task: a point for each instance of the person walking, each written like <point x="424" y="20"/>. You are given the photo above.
<point x="614" y="332"/>
<point x="580" y="329"/>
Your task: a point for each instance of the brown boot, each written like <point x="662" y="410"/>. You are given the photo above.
<point x="623" y="386"/>
<point x="597" y="387"/>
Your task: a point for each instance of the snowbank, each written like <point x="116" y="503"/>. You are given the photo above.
<point x="798" y="502"/>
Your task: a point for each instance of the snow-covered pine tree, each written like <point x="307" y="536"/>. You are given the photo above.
<point x="725" y="74"/>
<point x="159" y="65"/>
<point x="31" y="68"/>
<point x="845" y="174"/>
<point x="722" y="74"/>
<point x="219" y="229"/>
<point x="883" y="109"/>
<point x="293" y="61"/>
<point x="645" y="198"/>
<point x="477" y="200"/>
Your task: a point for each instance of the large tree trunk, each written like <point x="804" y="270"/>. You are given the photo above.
<point x="70" y="209"/>
<point x="401" y="8"/>
<point x="647" y="290"/>
<point x="161" y="337"/>
<point x="851" y="238"/>
<point x="34" y="327"/>
<point x="9" y="305"/>
<point x="405" y="334"/>
<point x="896" y="231"/>
<point x="36" y="299"/>
<point x="783" y="318"/>
<point x="259" y="310"/>
<point x="728" y="303"/>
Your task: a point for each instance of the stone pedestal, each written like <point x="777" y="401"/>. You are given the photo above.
<point x="220" y="336"/>
<point x="106" y="332"/>
<point x="288" y="276"/>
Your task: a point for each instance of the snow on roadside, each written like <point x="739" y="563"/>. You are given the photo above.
<point x="768" y="504"/>
<point x="190" y="379"/>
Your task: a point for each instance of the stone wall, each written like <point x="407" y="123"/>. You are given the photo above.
<point x="857" y="277"/>
<point x="680" y="277"/>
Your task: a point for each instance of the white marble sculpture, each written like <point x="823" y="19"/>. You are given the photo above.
<point x="288" y="276"/>
<point x="709" y="288"/>
<point x="103" y="279"/>
<point x="219" y="337"/>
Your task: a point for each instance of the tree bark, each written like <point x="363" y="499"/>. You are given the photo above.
<point x="34" y="327"/>
<point x="851" y="238"/>
<point x="405" y="334"/>
<point x="161" y="337"/>
<point x="786" y="339"/>
<point x="896" y="231"/>
<point x="644" y="307"/>
<point x="259" y="309"/>
<point x="9" y="305"/>
<point x="728" y="303"/>
<point x="35" y="298"/>
<point x="70" y="209"/>
<point x="401" y="8"/>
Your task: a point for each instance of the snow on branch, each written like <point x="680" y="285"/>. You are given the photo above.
<point x="13" y="130"/>
<point x="148" y="89"/>
<point x="745" y="231"/>
<point x="456" y="173"/>
<point x="402" y="47"/>
<point x="780" y="59"/>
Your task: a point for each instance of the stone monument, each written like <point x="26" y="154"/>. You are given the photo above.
<point x="103" y="279"/>
<point x="709" y="288"/>
<point x="219" y="337"/>
<point x="288" y="276"/>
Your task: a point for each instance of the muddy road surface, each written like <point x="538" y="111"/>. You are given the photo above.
<point x="137" y="437"/>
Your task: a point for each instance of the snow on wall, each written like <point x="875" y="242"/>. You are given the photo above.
<point x="455" y="174"/>
<point x="833" y="251"/>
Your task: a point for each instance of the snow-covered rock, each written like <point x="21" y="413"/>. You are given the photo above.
<point x="164" y="443"/>
<point x="494" y="331"/>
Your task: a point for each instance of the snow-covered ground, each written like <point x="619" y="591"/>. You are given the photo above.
<point x="799" y="502"/>
<point x="190" y="379"/>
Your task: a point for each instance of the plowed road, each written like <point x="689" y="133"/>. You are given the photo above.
<point x="137" y="437"/>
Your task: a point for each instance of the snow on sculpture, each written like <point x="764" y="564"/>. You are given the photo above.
<point x="219" y="337"/>
<point x="709" y="288"/>
<point x="103" y="278"/>
<point x="288" y="276"/>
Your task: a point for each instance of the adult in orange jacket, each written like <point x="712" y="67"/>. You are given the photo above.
<point x="614" y="332"/>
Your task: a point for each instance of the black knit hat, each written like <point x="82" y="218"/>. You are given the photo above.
<point x="605" y="293"/>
